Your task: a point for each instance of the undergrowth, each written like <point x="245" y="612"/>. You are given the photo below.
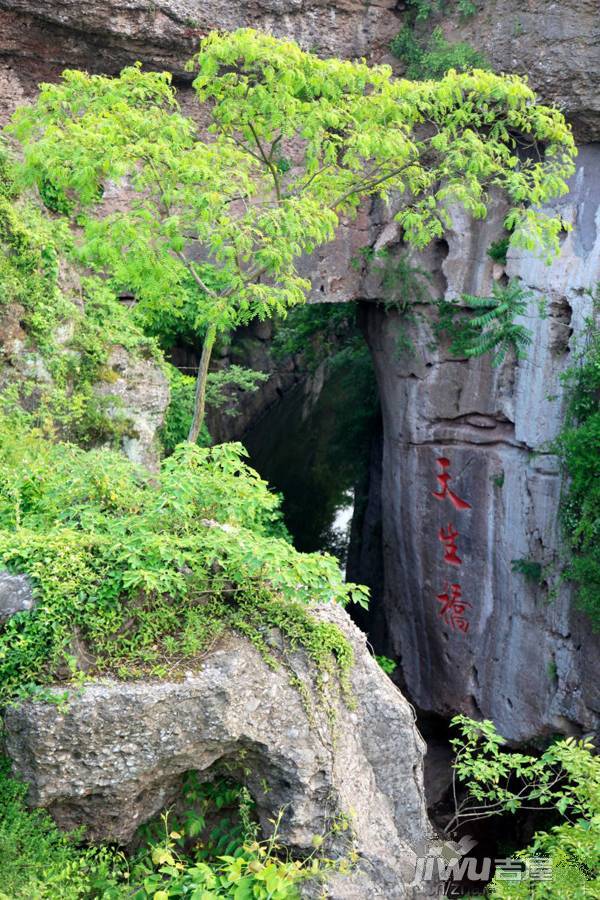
<point x="209" y="848"/>
<point x="147" y="571"/>
<point x="578" y="447"/>
<point x="428" y="56"/>
<point x="66" y="328"/>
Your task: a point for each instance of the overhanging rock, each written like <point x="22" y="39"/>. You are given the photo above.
<point x="117" y="754"/>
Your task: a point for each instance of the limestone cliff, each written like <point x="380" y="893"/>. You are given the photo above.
<point x="528" y="660"/>
<point x="523" y="659"/>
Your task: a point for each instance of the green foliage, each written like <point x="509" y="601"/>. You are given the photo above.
<point x="179" y="412"/>
<point x="211" y="849"/>
<point x="39" y="862"/>
<point x="493" y="329"/>
<point x="577" y="445"/>
<point x="317" y="332"/>
<point x="356" y="131"/>
<point x="186" y="855"/>
<point x="529" y="568"/>
<point x="498" y="249"/>
<point x="224" y="386"/>
<point x="565" y="777"/>
<point x="223" y="389"/>
<point x="388" y="665"/>
<point x="403" y="283"/>
<point x="29" y="267"/>
<point x="148" y="571"/>
<point x="424" y="9"/>
<point x="64" y="400"/>
<point x="433" y="58"/>
<point x="215" y="227"/>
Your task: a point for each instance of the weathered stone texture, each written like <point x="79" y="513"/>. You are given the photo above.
<point x="529" y="664"/>
<point x="554" y="42"/>
<point x="140" y="392"/>
<point x="15" y="595"/>
<point x="124" y="746"/>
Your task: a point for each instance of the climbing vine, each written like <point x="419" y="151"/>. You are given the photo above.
<point x="577" y="446"/>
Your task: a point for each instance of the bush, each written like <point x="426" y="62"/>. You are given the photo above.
<point x="150" y="570"/>
<point x="211" y="849"/>
<point x="39" y="862"/>
<point x="565" y="777"/>
<point x="577" y="446"/>
<point x="436" y="56"/>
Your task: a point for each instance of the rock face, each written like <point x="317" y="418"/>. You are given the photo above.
<point x="38" y="40"/>
<point x="522" y="660"/>
<point x="529" y="661"/>
<point x="123" y="747"/>
<point x="15" y="595"/>
<point x="140" y="391"/>
<point x="554" y="42"/>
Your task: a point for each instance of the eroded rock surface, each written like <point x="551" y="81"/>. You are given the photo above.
<point x="140" y="392"/>
<point x="116" y="756"/>
<point x="15" y="595"/>
<point x="554" y="42"/>
<point x="529" y="661"/>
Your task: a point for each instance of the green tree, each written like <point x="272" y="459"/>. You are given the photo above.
<point x="219" y="215"/>
<point x="564" y="778"/>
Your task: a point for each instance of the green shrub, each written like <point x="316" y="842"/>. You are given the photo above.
<point x="210" y="849"/>
<point x="498" y="249"/>
<point x="432" y="56"/>
<point x="577" y="446"/>
<point x="213" y="850"/>
<point x="531" y="569"/>
<point x="431" y="59"/>
<point x="32" y="252"/>
<point x="492" y="329"/>
<point x="149" y="570"/>
<point x="39" y="862"/>
<point x="565" y="777"/>
<point x="388" y="665"/>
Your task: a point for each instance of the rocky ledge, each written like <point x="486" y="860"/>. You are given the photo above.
<point x="116" y="755"/>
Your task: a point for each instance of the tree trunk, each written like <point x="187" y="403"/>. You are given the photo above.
<point x="200" y="395"/>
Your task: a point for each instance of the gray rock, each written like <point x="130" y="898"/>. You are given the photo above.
<point x="529" y="661"/>
<point x="140" y="392"/>
<point x="116" y="756"/>
<point x="15" y="595"/>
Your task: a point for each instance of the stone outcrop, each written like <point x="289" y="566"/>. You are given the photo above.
<point x="554" y="42"/>
<point x="38" y="40"/>
<point x="116" y="755"/>
<point x="15" y="595"/>
<point x="140" y="392"/>
<point x="529" y="661"/>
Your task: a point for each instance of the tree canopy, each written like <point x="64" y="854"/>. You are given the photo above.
<point x="215" y="217"/>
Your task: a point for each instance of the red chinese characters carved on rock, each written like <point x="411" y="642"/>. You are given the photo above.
<point x="453" y="607"/>
<point x="448" y="538"/>
<point x="443" y="479"/>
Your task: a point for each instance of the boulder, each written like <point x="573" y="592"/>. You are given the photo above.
<point x="15" y="595"/>
<point x="116" y="755"/>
